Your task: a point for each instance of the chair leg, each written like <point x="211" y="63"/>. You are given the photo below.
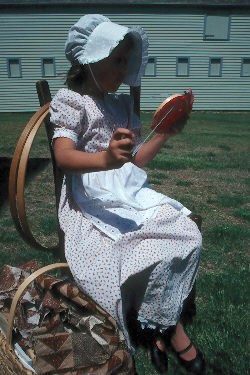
<point x="197" y="219"/>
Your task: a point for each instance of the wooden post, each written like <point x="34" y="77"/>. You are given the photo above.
<point x="135" y="92"/>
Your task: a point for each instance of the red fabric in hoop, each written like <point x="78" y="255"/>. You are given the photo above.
<point x="171" y="110"/>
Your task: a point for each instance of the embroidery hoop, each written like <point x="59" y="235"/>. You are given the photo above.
<point x="170" y="110"/>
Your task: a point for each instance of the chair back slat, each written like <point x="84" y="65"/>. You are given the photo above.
<point x="44" y="97"/>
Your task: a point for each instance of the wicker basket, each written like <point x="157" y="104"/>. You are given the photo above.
<point x="9" y="362"/>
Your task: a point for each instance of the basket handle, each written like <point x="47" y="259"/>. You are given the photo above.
<point x="20" y="291"/>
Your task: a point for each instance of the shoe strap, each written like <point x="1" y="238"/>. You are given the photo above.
<point x="185" y="350"/>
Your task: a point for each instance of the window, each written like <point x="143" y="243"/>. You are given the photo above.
<point x="245" y="67"/>
<point x="182" y="66"/>
<point x="150" y="70"/>
<point x="14" y="68"/>
<point x="215" y="67"/>
<point x="48" y="67"/>
<point x="216" y="27"/>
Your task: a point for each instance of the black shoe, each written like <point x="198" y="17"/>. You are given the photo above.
<point x="196" y="366"/>
<point x="159" y="359"/>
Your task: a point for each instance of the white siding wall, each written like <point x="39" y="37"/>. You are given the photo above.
<point x="31" y="36"/>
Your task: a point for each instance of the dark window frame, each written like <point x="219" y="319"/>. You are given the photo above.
<point x="153" y="62"/>
<point x="207" y="37"/>
<point x="210" y="64"/>
<point x="188" y="66"/>
<point x="43" y="59"/>
<point x="9" y="60"/>
<point x="242" y="64"/>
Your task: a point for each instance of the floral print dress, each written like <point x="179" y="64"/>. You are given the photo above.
<point x="126" y="244"/>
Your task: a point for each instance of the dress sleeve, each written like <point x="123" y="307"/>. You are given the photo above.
<point x="67" y="114"/>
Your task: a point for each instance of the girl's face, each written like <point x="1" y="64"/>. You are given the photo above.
<point x="110" y="72"/>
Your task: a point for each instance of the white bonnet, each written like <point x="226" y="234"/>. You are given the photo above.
<point x="94" y="37"/>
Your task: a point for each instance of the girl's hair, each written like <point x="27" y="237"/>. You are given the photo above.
<point x="75" y="77"/>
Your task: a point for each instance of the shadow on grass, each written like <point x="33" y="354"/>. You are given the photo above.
<point x="222" y="364"/>
<point x="35" y="165"/>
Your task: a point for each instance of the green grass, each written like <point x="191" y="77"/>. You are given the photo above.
<point x="184" y="183"/>
<point x="231" y="200"/>
<point x="243" y="213"/>
<point x="207" y="169"/>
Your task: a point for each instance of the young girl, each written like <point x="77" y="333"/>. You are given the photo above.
<point x="127" y="246"/>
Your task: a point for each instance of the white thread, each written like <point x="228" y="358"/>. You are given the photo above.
<point x="151" y="132"/>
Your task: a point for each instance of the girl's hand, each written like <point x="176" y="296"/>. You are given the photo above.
<point x="149" y="149"/>
<point x="120" y="148"/>
<point x="177" y="126"/>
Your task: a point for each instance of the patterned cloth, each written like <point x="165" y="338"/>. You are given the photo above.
<point x="164" y="241"/>
<point x="69" y="331"/>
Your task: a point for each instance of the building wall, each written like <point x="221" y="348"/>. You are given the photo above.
<point x="35" y="34"/>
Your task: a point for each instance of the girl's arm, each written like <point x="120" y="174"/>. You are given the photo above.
<point x="68" y="158"/>
<point x="148" y="150"/>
